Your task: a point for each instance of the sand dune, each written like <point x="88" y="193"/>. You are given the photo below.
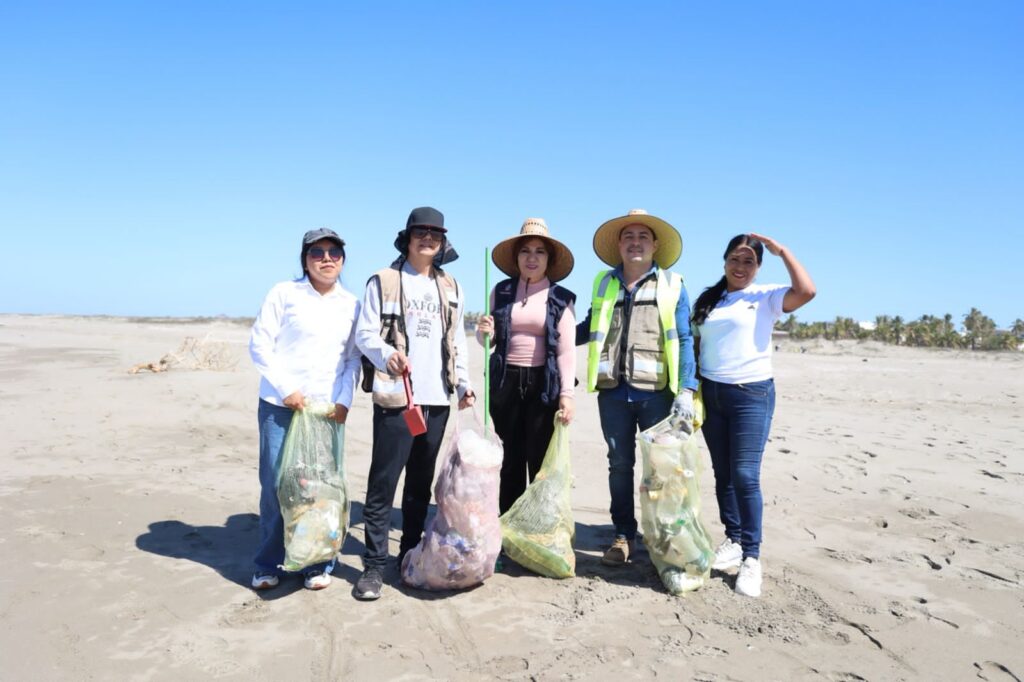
<point x="894" y="542"/>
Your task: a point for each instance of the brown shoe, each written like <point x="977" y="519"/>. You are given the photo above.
<point x="618" y="553"/>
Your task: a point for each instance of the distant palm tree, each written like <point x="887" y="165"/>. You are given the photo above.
<point x="787" y="325"/>
<point x="882" y="328"/>
<point x="896" y="330"/>
<point x="1018" y="328"/>
<point x="978" y="327"/>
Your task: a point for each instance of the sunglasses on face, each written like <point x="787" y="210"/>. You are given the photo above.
<point x="424" y="232"/>
<point x="335" y="254"/>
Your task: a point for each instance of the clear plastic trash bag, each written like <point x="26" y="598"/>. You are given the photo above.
<point x="676" y="539"/>
<point x="311" y="488"/>
<point x="538" y="531"/>
<point x="463" y="539"/>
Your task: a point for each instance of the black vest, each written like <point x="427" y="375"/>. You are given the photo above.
<point x="559" y="299"/>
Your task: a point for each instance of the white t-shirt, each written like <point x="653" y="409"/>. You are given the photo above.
<point x="736" y="337"/>
<point x="426" y="335"/>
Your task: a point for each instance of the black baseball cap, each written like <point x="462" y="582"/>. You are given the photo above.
<point x="316" y="235"/>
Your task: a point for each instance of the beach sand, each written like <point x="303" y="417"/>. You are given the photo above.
<point x="894" y="542"/>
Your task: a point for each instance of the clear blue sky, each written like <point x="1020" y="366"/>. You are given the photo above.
<point x="164" y="158"/>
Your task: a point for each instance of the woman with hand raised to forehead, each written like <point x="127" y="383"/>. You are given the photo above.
<point x="533" y="366"/>
<point x="733" y="321"/>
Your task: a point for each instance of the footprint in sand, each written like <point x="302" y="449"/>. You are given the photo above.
<point x="250" y="611"/>
<point x="917" y="513"/>
<point x="993" y="671"/>
<point x="501" y="666"/>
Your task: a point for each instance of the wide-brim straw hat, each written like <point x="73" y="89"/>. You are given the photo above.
<point x="670" y="242"/>
<point x="560" y="260"/>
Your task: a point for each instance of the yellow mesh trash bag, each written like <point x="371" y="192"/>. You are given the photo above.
<point x="678" y="543"/>
<point x="311" y="488"/>
<point x="538" y="531"/>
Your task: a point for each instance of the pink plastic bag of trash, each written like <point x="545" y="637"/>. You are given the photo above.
<point x="463" y="539"/>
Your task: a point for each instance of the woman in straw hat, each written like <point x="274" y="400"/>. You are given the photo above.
<point x="533" y="367"/>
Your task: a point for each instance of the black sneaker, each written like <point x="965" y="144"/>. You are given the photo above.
<point x="370" y="584"/>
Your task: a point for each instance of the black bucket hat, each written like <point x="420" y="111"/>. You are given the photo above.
<point x="427" y="216"/>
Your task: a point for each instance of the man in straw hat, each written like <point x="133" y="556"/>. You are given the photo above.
<point x="411" y="321"/>
<point x="640" y="350"/>
<point x="533" y="368"/>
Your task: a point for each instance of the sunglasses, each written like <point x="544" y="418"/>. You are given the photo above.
<point x="424" y="232"/>
<point x="316" y="253"/>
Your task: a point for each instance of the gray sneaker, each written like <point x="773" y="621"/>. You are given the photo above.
<point x="370" y="584"/>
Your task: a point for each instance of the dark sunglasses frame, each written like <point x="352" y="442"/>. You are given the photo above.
<point x="421" y="232"/>
<point x="334" y="253"/>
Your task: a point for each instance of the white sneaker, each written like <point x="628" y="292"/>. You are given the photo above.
<point x="748" y="582"/>
<point x="264" y="581"/>
<point x="317" y="581"/>
<point x="728" y="555"/>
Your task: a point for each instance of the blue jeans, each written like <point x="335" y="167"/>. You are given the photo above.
<point x="619" y="422"/>
<point x="274" y="421"/>
<point x="739" y="417"/>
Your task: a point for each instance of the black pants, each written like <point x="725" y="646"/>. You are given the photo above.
<point x="524" y="425"/>
<point x="395" y="449"/>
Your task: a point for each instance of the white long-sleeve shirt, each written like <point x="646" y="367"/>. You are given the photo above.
<point x="304" y="341"/>
<point x="423" y="324"/>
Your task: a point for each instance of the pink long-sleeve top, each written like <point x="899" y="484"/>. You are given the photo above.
<point x="526" y="337"/>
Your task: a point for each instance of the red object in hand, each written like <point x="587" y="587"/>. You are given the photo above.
<point x="413" y="414"/>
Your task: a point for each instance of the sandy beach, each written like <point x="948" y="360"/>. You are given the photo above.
<point x="894" y="542"/>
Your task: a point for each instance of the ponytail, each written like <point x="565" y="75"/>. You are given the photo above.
<point x="707" y="301"/>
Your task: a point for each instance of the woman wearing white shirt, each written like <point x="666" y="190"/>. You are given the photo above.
<point x="303" y="346"/>
<point x="734" y="320"/>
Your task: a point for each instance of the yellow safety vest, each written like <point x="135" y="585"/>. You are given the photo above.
<point x="645" y="368"/>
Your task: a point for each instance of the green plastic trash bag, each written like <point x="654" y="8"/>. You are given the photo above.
<point x="538" y="531"/>
<point x="311" y="488"/>
<point x="676" y="540"/>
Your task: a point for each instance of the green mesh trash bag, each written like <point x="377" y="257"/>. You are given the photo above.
<point x="676" y="540"/>
<point x="311" y="488"/>
<point x="538" y="531"/>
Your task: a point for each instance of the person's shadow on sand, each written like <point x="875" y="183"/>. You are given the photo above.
<point x="226" y="549"/>
<point x="229" y="549"/>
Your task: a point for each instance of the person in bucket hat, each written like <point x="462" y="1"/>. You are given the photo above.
<point x="640" y="350"/>
<point x="411" y="320"/>
<point x="533" y="366"/>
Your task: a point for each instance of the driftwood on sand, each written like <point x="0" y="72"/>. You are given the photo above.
<point x="193" y="353"/>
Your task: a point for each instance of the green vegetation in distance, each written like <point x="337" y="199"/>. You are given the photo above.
<point x="978" y="331"/>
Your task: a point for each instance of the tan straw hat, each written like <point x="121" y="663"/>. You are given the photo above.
<point x="606" y="239"/>
<point x="560" y="261"/>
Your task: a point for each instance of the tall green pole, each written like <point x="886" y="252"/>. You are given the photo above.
<point x="487" y="342"/>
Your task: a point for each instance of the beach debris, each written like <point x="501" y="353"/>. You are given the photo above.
<point x="538" y="531"/>
<point x="678" y="543"/>
<point x="311" y="488"/>
<point x="463" y="539"/>
<point x="193" y="353"/>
